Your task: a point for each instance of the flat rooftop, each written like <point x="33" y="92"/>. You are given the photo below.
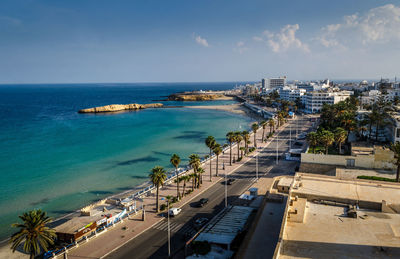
<point x="327" y="233"/>
<point x="74" y="224"/>
<point x="224" y="227"/>
<point x="319" y="186"/>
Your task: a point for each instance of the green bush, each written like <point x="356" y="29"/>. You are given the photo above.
<point x="252" y="149"/>
<point x="376" y="178"/>
<point x="163" y="206"/>
<point x="239" y="159"/>
<point x="174" y="199"/>
<point x="201" y="247"/>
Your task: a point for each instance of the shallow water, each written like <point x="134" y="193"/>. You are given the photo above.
<point x="58" y="160"/>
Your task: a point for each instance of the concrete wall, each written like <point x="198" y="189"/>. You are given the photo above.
<point x="382" y="159"/>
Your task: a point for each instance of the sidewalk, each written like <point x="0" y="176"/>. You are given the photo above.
<point x="115" y="237"/>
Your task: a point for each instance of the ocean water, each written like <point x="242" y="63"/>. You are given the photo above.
<point x="57" y="160"/>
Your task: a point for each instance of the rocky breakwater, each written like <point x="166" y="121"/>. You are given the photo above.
<point x="196" y="97"/>
<point x="121" y="107"/>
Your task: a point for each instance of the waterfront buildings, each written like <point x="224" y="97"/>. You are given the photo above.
<point x="327" y="217"/>
<point x="315" y="100"/>
<point x="289" y="94"/>
<point x="273" y="83"/>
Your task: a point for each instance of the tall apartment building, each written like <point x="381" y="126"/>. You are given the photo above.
<point x="271" y="83"/>
<point x="315" y="100"/>
<point x="290" y="94"/>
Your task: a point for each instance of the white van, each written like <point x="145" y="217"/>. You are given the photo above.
<point x="174" y="211"/>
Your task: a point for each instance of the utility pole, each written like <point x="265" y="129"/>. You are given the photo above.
<point x="277" y="140"/>
<point x="257" y="167"/>
<point x="169" y="234"/>
<point x="226" y="191"/>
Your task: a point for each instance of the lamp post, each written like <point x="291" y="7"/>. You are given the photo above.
<point x="226" y="191"/>
<point x="257" y="167"/>
<point x="277" y="140"/>
<point x="169" y="231"/>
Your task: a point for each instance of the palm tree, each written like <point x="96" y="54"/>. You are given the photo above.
<point x="255" y="127"/>
<point x="246" y="138"/>
<point x="313" y="139"/>
<point x="396" y="150"/>
<point x="33" y="232"/>
<point x="200" y="172"/>
<point x="242" y="149"/>
<point x="193" y="176"/>
<point x="194" y="162"/>
<point x="271" y="124"/>
<point x="184" y="178"/>
<point x="217" y="151"/>
<point x="238" y="139"/>
<point x="210" y="143"/>
<point x="340" y="136"/>
<point x="263" y="125"/>
<point x="175" y="161"/>
<point x="157" y="177"/>
<point x="230" y="136"/>
<point x="327" y="138"/>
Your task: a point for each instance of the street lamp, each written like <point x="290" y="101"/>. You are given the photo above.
<point x="226" y="191"/>
<point x="257" y="166"/>
<point x="277" y="140"/>
<point x="169" y="231"/>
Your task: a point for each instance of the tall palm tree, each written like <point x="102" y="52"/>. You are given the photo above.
<point x="242" y="150"/>
<point x="217" y="151"/>
<point x="230" y="136"/>
<point x="263" y="125"/>
<point x="238" y="139"/>
<point x="175" y="161"/>
<point x="200" y="172"/>
<point x="271" y="124"/>
<point x="33" y="232"/>
<point x="246" y="138"/>
<point x="194" y="162"/>
<point x="184" y="178"/>
<point x="210" y="143"/>
<point x="193" y="176"/>
<point x="327" y="138"/>
<point x="313" y="140"/>
<point x="157" y="177"/>
<point x="255" y="127"/>
<point x="396" y="150"/>
<point x="340" y="136"/>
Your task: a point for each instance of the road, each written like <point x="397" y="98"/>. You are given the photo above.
<point x="153" y="242"/>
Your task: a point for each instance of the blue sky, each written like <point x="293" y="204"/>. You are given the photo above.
<point x="197" y="40"/>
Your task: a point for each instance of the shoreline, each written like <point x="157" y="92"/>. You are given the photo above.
<point x="237" y="108"/>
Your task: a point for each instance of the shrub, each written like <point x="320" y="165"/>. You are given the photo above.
<point x="376" y="178"/>
<point x="239" y="159"/>
<point x="163" y="206"/>
<point x="252" y="149"/>
<point x="174" y="199"/>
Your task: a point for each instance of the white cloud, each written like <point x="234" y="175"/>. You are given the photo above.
<point x="378" y="25"/>
<point x="283" y="40"/>
<point x="240" y="47"/>
<point x="201" y="41"/>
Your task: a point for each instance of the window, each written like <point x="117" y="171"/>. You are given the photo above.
<point x="350" y="162"/>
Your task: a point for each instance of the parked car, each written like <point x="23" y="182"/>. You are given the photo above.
<point x="200" y="222"/>
<point x="174" y="211"/>
<point x="230" y="181"/>
<point x="202" y="202"/>
<point x="302" y="136"/>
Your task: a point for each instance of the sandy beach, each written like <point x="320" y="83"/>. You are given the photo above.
<point x="237" y="108"/>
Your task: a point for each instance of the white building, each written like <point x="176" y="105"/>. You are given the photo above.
<point x="370" y="97"/>
<point x="271" y="83"/>
<point x="291" y="94"/>
<point x="315" y="100"/>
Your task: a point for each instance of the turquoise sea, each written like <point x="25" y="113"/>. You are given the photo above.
<point x="57" y="160"/>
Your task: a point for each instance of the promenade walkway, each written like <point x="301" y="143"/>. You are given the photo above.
<point x="130" y="228"/>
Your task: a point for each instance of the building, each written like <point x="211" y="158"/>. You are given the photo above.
<point x="315" y="100"/>
<point x="289" y="94"/>
<point x="370" y="97"/>
<point x="363" y="155"/>
<point x="327" y="217"/>
<point x="272" y="83"/>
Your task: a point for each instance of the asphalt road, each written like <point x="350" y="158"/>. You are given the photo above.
<point x="153" y="242"/>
